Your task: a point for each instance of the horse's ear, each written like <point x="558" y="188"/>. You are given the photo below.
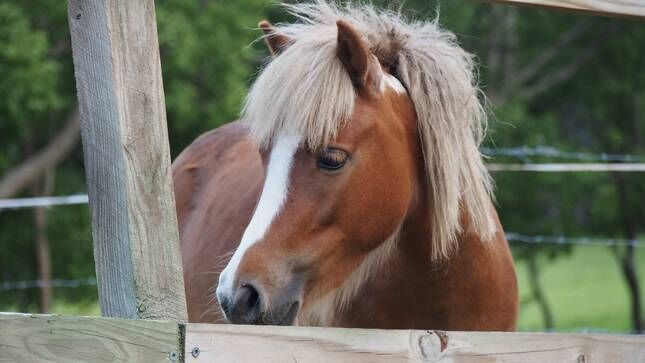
<point x="276" y="42"/>
<point x="355" y="55"/>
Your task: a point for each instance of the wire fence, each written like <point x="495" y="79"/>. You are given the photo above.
<point x="524" y="153"/>
<point x="611" y="162"/>
<point x="568" y="167"/>
<point x="587" y="162"/>
<point x="19" y="203"/>
<point x="31" y="284"/>
<point x="566" y="240"/>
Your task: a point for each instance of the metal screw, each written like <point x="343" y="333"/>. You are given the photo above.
<point x="195" y="352"/>
<point x="173" y="356"/>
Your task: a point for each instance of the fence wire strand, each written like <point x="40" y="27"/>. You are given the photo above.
<point x="19" y="203"/>
<point x="30" y="284"/>
<point x="524" y="153"/>
<point x="568" y="167"/>
<point x="565" y="240"/>
<point x="611" y="162"/>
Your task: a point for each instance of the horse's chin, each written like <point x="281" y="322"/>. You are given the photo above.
<point x="284" y="316"/>
<point x="289" y="317"/>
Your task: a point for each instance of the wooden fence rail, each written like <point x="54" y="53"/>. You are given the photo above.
<point x="35" y="338"/>
<point x="620" y="8"/>
<point x="55" y="338"/>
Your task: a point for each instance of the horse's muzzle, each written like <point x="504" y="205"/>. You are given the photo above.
<point x="247" y="308"/>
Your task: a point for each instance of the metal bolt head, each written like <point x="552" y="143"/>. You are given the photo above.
<point x="173" y="356"/>
<point x="195" y="352"/>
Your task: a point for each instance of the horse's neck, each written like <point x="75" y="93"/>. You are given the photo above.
<point x="410" y="290"/>
<point x="412" y="260"/>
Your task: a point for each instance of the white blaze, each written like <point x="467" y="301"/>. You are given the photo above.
<point x="274" y="193"/>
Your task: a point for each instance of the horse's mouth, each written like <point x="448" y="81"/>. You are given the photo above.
<point x="291" y="314"/>
<point x="284" y="316"/>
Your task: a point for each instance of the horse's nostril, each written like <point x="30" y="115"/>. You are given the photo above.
<point x="225" y="304"/>
<point x="247" y="305"/>
<point x="248" y="296"/>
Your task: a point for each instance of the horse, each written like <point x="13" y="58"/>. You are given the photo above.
<point x="351" y="192"/>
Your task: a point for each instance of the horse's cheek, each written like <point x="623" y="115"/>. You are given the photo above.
<point x="378" y="209"/>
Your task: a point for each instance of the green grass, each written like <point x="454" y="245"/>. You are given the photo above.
<point x="62" y="307"/>
<point x="585" y="290"/>
<point x="88" y="308"/>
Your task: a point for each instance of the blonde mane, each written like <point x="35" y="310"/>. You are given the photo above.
<point x="307" y="90"/>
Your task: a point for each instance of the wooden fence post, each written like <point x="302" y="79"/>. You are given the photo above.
<point x="127" y="159"/>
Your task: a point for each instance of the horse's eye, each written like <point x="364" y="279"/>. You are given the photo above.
<point x="332" y="159"/>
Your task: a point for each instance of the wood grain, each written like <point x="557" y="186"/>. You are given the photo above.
<point x="127" y="159"/>
<point x="622" y="8"/>
<point x="235" y="343"/>
<point x="25" y="337"/>
<point x="30" y="338"/>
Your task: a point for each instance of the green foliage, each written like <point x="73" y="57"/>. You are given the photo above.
<point x="207" y="62"/>
<point x="28" y="81"/>
<point x="24" y="51"/>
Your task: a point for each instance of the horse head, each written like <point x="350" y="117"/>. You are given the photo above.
<point x="357" y="136"/>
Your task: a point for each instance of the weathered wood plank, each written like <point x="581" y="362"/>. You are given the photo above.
<point x="25" y="337"/>
<point x="623" y="8"/>
<point x="235" y="343"/>
<point x="29" y="338"/>
<point x="127" y="159"/>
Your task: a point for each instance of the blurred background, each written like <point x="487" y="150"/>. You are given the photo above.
<point x="563" y="87"/>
